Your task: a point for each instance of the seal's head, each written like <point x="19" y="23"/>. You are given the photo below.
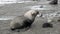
<point x="31" y="14"/>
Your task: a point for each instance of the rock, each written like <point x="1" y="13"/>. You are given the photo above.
<point x="54" y="2"/>
<point x="47" y="25"/>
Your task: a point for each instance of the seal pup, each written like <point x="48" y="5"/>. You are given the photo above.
<point x="21" y="22"/>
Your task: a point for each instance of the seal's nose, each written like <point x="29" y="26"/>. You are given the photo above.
<point x="37" y="12"/>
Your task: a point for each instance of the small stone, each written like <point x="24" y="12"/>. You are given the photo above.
<point x="54" y="2"/>
<point x="47" y="25"/>
<point x="49" y="21"/>
<point x="41" y="6"/>
<point x="59" y="20"/>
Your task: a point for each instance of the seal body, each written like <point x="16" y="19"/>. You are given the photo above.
<point x="24" y="21"/>
<point x="20" y="22"/>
